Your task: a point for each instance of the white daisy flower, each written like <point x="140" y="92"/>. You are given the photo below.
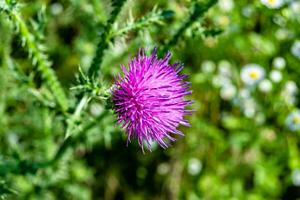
<point x="293" y="120"/>
<point x="279" y="63"/>
<point x="265" y="86"/>
<point x="296" y="49"/>
<point x="273" y="4"/>
<point x="276" y="76"/>
<point x="252" y="74"/>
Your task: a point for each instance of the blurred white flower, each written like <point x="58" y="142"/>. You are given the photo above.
<point x="249" y="107"/>
<point x="220" y="80"/>
<point x="222" y="20"/>
<point x="275" y="76"/>
<point x="296" y="177"/>
<point x="279" y="63"/>
<point x="295" y="7"/>
<point x="291" y="87"/>
<point x="228" y="92"/>
<point x="265" y="86"/>
<point x="208" y="66"/>
<point x="296" y="49"/>
<point x="288" y="97"/>
<point x="96" y="109"/>
<point x="251" y="156"/>
<point x="244" y="93"/>
<point x="260" y="118"/>
<point x="163" y="168"/>
<point x="56" y="8"/>
<point x="119" y="46"/>
<point x="249" y="112"/>
<point x="293" y="120"/>
<point x="224" y="68"/>
<point x="247" y="11"/>
<point x="226" y="5"/>
<point x="289" y="92"/>
<point x="252" y="74"/>
<point x="279" y="20"/>
<point x="273" y="4"/>
<point x="13" y="138"/>
<point x="86" y="60"/>
<point x="194" y="166"/>
<point x="283" y="34"/>
<point x="268" y="134"/>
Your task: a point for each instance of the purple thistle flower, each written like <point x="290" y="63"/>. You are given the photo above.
<point x="149" y="99"/>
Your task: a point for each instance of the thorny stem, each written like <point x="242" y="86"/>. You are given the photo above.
<point x="197" y="11"/>
<point x="104" y="40"/>
<point x="153" y="17"/>
<point x="40" y="60"/>
<point x="18" y="166"/>
<point x="27" y="166"/>
<point x="72" y="141"/>
<point x="76" y="115"/>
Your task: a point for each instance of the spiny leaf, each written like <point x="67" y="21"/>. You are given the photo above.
<point x="103" y="42"/>
<point x="212" y="32"/>
<point x="39" y="59"/>
<point x="197" y="10"/>
<point x="117" y="6"/>
<point x="155" y="16"/>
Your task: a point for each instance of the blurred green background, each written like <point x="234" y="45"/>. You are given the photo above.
<point x="243" y="142"/>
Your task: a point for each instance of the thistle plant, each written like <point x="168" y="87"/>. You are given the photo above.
<point x="96" y="99"/>
<point x="37" y="55"/>
<point x="165" y="99"/>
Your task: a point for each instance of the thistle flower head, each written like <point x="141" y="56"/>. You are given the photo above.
<point x="149" y="99"/>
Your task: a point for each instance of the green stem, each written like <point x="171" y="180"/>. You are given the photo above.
<point x="40" y="60"/>
<point x="197" y="11"/>
<point x="76" y="115"/>
<point x="78" y="137"/>
<point x="31" y="167"/>
<point x="145" y="21"/>
<point x="104" y="40"/>
<point x="62" y="149"/>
